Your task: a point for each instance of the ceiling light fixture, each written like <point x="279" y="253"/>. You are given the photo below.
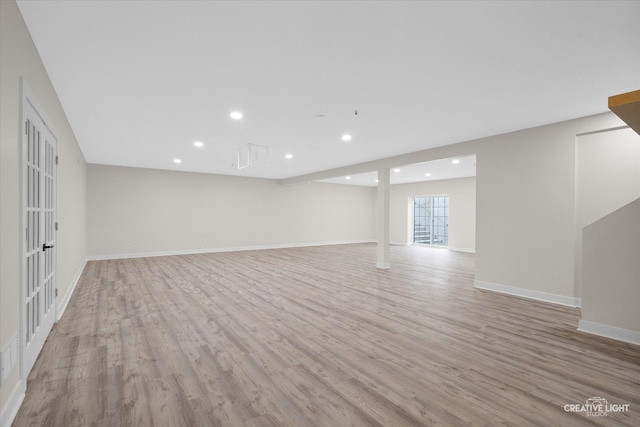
<point x="347" y="177"/>
<point x="288" y="156"/>
<point x="236" y="115"/>
<point x="177" y="161"/>
<point x="396" y="170"/>
<point x="198" y="144"/>
<point x="455" y="161"/>
<point x="346" y="137"/>
<point x="427" y="174"/>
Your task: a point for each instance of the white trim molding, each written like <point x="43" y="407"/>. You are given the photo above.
<point x="215" y="250"/>
<point x="466" y="250"/>
<point x="619" y="334"/>
<point x="63" y="305"/>
<point x="10" y="410"/>
<point x="528" y="293"/>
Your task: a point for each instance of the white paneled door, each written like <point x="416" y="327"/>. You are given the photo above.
<point x="39" y="219"/>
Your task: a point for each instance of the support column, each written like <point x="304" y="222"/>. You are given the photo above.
<point x="382" y="218"/>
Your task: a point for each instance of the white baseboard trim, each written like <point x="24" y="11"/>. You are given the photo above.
<point x="466" y="250"/>
<point x="383" y="265"/>
<point x="63" y="305"/>
<point x="398" y="243"/>
<point x="528" y="293"/>
<point x="619" y="334"/>
<point x="215" y="250"/>
<point x="10" y="410"/>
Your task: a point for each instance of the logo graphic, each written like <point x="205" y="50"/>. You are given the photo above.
<point x="597" y="407"/>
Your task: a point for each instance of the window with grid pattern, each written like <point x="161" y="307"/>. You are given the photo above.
<point x="431" y="220"/>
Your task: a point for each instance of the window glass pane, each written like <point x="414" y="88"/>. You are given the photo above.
<point x="431" y="220"/>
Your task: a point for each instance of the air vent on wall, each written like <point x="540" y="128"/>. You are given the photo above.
<point x="253" y="155"/>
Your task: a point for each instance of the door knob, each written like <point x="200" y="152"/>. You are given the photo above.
<point x="45" y="247"/>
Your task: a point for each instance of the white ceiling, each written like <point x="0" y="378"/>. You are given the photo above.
<point x="437" y="170"/>
<point x="141" y="80"/>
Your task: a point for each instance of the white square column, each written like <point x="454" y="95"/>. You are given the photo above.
<point x="382" y="218"/>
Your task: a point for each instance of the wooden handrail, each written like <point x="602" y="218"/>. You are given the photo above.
<point x="627" y="107"/>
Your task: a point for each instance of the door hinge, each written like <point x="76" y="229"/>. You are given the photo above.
<point x="56" y="291"/>
<point x="56" y="160"/>
<point x="56" y="226"/>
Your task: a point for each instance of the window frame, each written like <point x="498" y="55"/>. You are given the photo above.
<point x="433" y="206"/>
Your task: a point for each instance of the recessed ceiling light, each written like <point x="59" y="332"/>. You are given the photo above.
<point x="237" y="115"/>
<point x="396" y="170"/>
<point x="377" y="180"/>
<point x="346" y="137"/>
<point x="288" y="156"/>
<point x="455" y="161"/>
<point x="177" y="161"/>
<point x="427" y="174"/>
<point x="347" y="177"/>
<point x="198" y="144"/>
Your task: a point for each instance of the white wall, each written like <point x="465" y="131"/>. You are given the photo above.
<point x="608" y="166"/>
<point x="612" y="275"/>
<point x="608" y="177"/>
<point x="19" y="58"/>
<point x="525" y="210"/>
<point x="526" y="191"/>
<point x="462" y="210"/>
<point x="138" y="211"/>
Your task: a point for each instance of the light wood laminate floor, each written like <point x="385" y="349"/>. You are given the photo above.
<point x="318" y="336"/>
